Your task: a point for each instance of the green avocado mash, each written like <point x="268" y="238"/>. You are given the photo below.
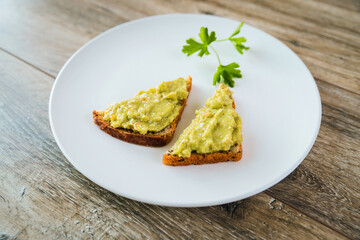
<point x="152" y="110"/>
<point x="216" y="127"/>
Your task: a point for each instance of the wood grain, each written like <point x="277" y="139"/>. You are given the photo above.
<point x="46" y="198"/>
<point x="327" y="39"/>
<point x="320" y="199"/>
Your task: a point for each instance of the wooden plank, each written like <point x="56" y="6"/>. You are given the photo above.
<point x="46" y="198"/>
<point x="47" y="33"/>
<point x="323" y="34"/>
<point x="351" y="5"/>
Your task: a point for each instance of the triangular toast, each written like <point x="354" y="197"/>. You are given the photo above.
<point x="155" y="139"/>
<point x="232" y="154"/>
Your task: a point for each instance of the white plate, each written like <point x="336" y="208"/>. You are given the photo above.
<point x="277" y="99"/>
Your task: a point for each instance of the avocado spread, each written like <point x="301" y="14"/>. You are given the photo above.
<point x="151" y="110"/>
<point x="216" y="127"/>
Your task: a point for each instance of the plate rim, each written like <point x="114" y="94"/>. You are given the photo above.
<point x="179" y="204"/>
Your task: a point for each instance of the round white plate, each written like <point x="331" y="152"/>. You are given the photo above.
<point x="277" y="99"/>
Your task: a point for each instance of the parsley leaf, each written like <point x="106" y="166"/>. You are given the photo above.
<point x="205" y="37"/>
<point x="237" y="30"/>
<point x="238" y="42"/>
<point x="226" y="73"/>
<point x="195" y="46"/>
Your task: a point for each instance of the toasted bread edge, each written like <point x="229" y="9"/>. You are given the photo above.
<point x="234" y="154"/>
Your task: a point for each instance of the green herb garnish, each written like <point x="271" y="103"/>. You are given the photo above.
<point x="224" y="73"/>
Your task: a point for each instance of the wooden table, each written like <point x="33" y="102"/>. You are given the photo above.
<point x="42" y="196"/>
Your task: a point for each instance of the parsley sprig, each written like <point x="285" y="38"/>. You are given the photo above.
<point x="224" y="73"/>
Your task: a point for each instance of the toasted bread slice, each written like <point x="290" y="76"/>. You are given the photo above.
<point x="234" y="154"/>
<point x="154" y="139"/>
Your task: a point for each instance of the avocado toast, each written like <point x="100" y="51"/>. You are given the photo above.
<point x="150" y="117"/>
<point x="215" y="135"/>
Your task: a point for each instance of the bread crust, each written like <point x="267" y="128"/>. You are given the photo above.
<point x="234" y="154"/>
<point x="153" y="139"/>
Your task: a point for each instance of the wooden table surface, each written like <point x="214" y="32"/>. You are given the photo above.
<point x="42" y="196"/>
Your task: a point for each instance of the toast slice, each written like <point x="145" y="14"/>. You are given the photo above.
<point x="233" y="154"/>
<point x="154" y="139"/>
